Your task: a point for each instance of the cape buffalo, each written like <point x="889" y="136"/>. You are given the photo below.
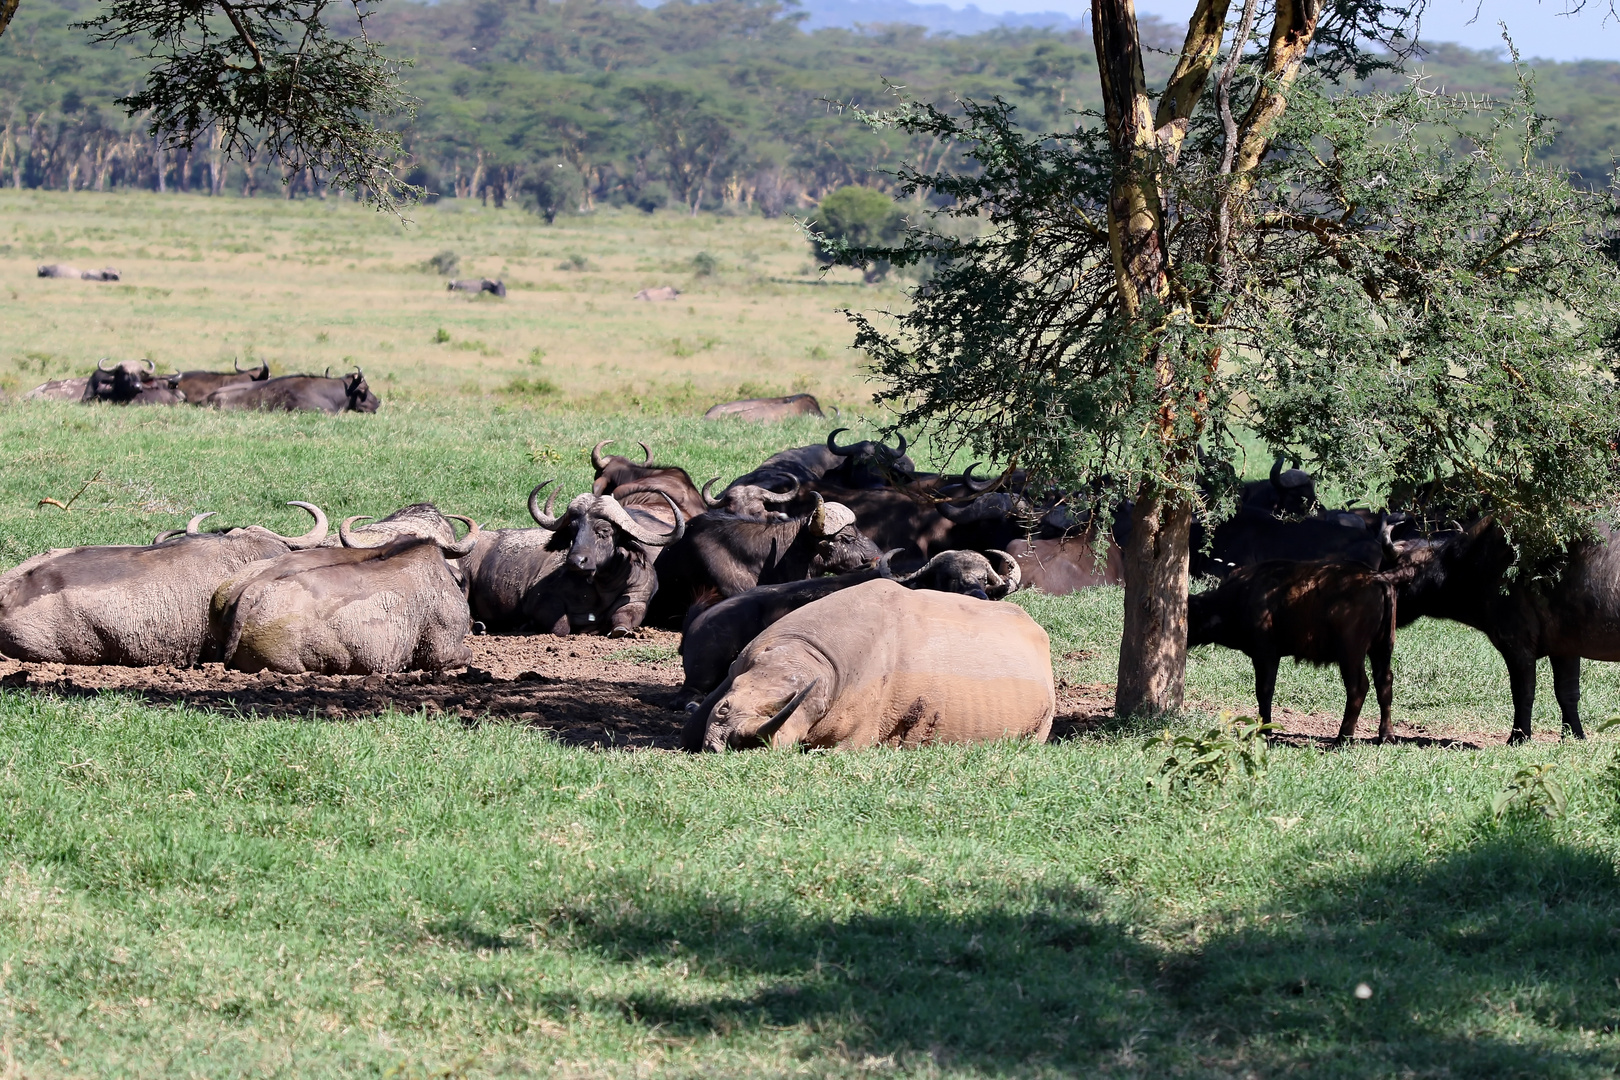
<point x="641" y="484"/>
<point x="1321" y="613"/>
<point x="713" y="635"/>
<point x="421" y="521"/>
<point x="748" y="501"/>
<point x="477" y="285"/>
<point x="1059" y="567"/>
<point x="968" y="573"/>
<point x="730" y="555"/>
<point x="344" y="611"/>
<point x="119" y="384"/>
<point x="868" y="464"/>
<point x="293" y="393"/>
<point x="61" y="270"/>
<point x="662" y="292"/>
<point x="589" y="569"/>
<point x="60" y="390"/>
<point x="879" y="664"/>
<point x="1575" y="613"/>
<point x="789" y="470"/>
<point x="1252" y="536"/>
<point x="197" y="385"/>
<point x="764" y="409"/>
<point x="136" y="606"/>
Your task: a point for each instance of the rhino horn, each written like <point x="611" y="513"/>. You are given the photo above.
<point x="767" y="731"/>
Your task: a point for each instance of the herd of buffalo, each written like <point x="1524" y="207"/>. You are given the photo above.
<point x="136" y="382"/>
<point x="833" y="596"/>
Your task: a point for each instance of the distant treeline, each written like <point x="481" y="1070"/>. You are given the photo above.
<point x="720" y="104"/>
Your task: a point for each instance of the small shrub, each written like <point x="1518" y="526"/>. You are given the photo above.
<point x="704" y="264"/>
<point x="441" y="336"/>
<point x="445" y="262"/>
<point x="855" y="217"/>
<point x="531" y="388"/>
<point x="575" y="262"/>
<point x="1206" y="758"/>
<point x="683" y="347"/>
<point x="537" y="355"/>
<point x="1530" y="792"/>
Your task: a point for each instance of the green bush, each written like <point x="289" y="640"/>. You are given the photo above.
<point x="856" y="217"/>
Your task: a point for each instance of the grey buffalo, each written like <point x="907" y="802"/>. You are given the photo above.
<point x="295" y="393"/>
<point x="344" y="611"/>
<point x="137" y="606"/>
<point x="765" y="409"/>
<point x="62" y="270"/>
<point x="477" y="285"/>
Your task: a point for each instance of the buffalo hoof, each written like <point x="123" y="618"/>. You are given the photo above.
<point x="620" y="632"/>
<point x="478" y="628"/>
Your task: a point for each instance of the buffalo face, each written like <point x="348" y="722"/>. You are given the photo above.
<point x="361" y="399"/>
<point x="593" y="546"/>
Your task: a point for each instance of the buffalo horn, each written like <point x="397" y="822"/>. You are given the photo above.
<point x="168" y="534"/>
<point x="708" y="500"/>
<point x="465" y="545"/>
<point x="621" y="518"/>
<point x="151" y="368"/>
<point x="901" y="451"/>
<point x="883" y="563"/>
<point x="596" y="455"/>
<point x="240" y="370"/>
<point x="351" y="540"/>
<point x="767" y="731"/>
<point x="316" y="534"/>
<point x="101" y="365"/>
<point x="976" y="485"/>
<point x="1276" y="472"/>
<point x="832" y="443"/>
<point x="543" y="519"/>
<point x="1013" y="576"/>
<point x="926" y="568"/>
<point x="191" y="526"/>
<point x="646" y="452"/>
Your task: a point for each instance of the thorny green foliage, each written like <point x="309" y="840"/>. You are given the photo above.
<point x="1413" y="298"/>
<point x="1530" y="792"/>
<point x="1201" y="759"/>
<point x="269" y="76"/>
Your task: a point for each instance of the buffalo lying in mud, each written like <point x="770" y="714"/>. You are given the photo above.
<point x="765" y="409"/>
<point x="729" y="555"/>
<point x="344" y="611"/>
<point x="300" y="393"/>
<point x="879" y="664"/>
<point x="136" y="606"/>
<point x="418" y="521"/>
<point x="589" y="569"/>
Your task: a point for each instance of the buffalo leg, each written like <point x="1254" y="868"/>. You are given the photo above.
<point x="1522" y="681"/>
<point x="1265" y="684"/>
<point x="1566" y="672"/>
<point x="1382" y="656"/>
<point x="1354" y="674"/>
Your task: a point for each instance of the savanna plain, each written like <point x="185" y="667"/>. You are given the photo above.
<point x="192" y="889"/>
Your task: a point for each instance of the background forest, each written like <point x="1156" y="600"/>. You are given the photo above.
<point x="718" y="105"/>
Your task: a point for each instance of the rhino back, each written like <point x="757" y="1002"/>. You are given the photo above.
<point x="919" y="667"/>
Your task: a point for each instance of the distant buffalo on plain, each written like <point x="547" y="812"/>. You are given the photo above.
<point x="62" y="270"/>
<point x="495" y="287"/>
<point x="762" y="409"/>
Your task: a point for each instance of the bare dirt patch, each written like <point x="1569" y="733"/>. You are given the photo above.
<point x="586" y="691"/>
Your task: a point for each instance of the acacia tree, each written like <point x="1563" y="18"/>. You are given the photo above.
<point x="1388" y="284"/>
<point x="300" y="79"/>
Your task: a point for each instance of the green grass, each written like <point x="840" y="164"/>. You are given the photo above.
<point x="185" y="892"/>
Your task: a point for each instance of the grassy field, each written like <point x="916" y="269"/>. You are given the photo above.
<point x="194" y="893"/>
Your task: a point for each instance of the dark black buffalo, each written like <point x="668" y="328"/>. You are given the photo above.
<point x="922" y="528"/>
<point x="730" y="555"/>
<point x="119" y="384"/>
<point x="642" y="484"/>
<point x="195" y="386"/>
<point x="714" y="634"/>
<point x="789" y="470"/>
<point x="1322" y="613"/>
<point x="868" y="464"/>
<point x="1463" y="576"/>
<point x="296" y="393"/>
<point x="1253" y="536"/>
<point x="1286" y="491"/>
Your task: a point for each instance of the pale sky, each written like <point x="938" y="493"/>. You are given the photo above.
<point x="1538" y="28"/>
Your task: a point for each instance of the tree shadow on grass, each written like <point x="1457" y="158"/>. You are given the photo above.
<point x="1497" y="960"/>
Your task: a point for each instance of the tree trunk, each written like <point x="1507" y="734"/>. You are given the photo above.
<point x="1153" y="651"/>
